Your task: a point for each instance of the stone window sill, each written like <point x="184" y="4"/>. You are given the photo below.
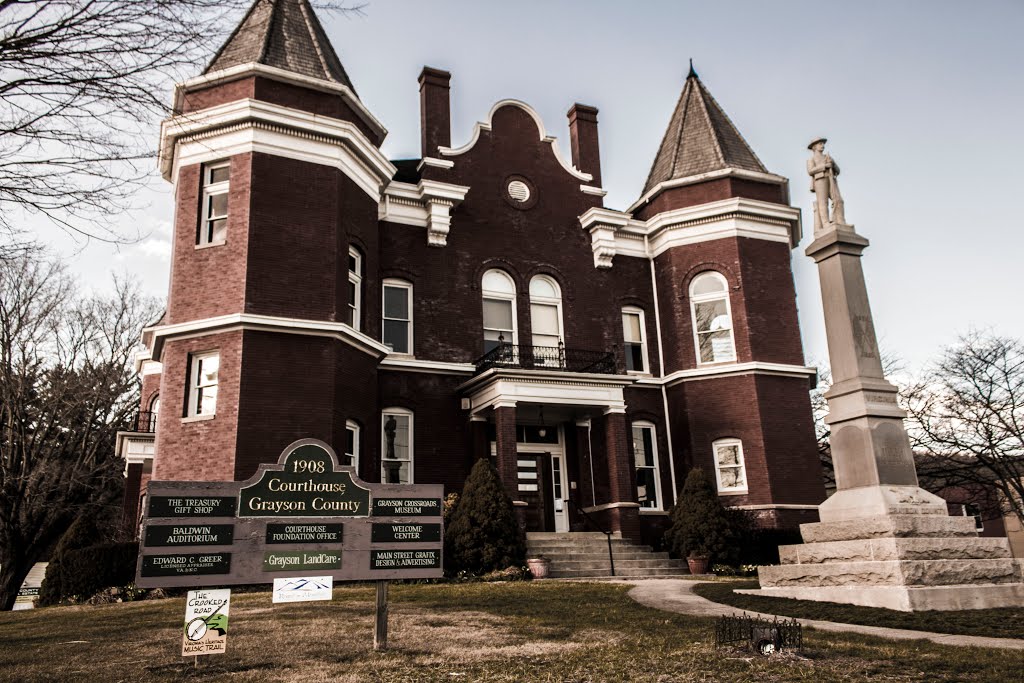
<point x="211" y="244"/>
<point x="198" y="418"/>
<point x="734" y="492"/>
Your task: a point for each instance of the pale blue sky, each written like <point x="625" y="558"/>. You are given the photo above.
<point x="921" y="101"/>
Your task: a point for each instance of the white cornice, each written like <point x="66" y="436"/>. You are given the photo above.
<point x="253" y="69"/>
<point x="429" y="204"/>
<point x="730" y="370"/>
<point x="431" y="366"/>
<point x="704" y="177"/>
<point x="252" y="125"/>
<point x="508" y="386"/>
<point x="482" y="126"/>
<point x="617" y="232"/>
<point x="249" y="321"/>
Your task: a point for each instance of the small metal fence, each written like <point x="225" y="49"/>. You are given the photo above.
<point x="760" y="635"/>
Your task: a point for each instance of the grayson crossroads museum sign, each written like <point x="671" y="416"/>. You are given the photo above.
<point x="304" y="516"/>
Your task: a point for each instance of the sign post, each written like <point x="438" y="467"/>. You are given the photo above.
<point x="304" y="517"/>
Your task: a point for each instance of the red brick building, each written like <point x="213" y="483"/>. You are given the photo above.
<point x="479" y="301"/>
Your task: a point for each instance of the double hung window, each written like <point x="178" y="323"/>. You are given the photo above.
<point x="634" y="340"/>
<point x="499" y="301"/>
<point x="351" y="458"/>
<point x="355" y="287"/>
<point x="202" y="389"/>
<point x="730" y="470"/>
<point x="645" y="455"/>
<point x="396" y="326"/>
<point x="396" y="461"/>
<point x="213" y="224"/>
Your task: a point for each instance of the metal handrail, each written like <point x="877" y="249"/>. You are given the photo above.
<point x="593" y="522"/>
<point x="506" y="355"/>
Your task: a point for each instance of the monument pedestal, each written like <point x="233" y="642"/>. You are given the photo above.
<point x="898" y="561"/>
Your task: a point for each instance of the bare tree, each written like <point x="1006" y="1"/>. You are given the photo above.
<point x="66" y="388"/>
<point x="967" y="415"/>
<point x="82" y="83"/>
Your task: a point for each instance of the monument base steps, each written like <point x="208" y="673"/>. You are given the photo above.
<point x="907" y="598"/>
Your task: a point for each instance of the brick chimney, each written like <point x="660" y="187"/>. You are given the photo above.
<point x="435" y="110"/>
<point x="586" y="151"/>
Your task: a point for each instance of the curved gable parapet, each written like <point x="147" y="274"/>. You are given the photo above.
<point x="481" y="126"/>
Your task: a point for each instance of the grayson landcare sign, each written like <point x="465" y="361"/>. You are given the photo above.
<point x="304" y="515"/>
<point x="206" y="622"/>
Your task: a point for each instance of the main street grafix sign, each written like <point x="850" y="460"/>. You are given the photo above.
<point x="304" y="516"/>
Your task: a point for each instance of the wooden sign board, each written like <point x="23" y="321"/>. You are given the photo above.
<point x="304" y="516"/>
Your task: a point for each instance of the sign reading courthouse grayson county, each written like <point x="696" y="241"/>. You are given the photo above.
<point x="304" y="516"/>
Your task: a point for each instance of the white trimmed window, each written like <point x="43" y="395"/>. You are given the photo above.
<point x="396" y="446"/>
<point x="355" y="287"/>
<point x="730" y="472"/>
<point x="213" y="223"/>
<point x="396" y="326"/>
<point x="202" y="387"/>
<point x="351" y="458"/>
<point x="545" y="311"/>
<point x="648" y="475"/>
<point x="499" y="300"/>
<point x="712" y="318"/>
<point x="634" y="335"/>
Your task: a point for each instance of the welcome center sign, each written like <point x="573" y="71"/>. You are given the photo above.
<point x="304" y="516"/>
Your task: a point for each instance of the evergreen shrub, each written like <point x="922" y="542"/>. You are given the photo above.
<point x="700" y="526"/>
<point x="89" y="570"/>
<point x="83" y="532"/>
<point x="483" y="535"/>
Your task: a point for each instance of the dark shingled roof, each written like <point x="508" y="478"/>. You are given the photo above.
<point x="700" y="138"/>
<point x="284" y="34"/>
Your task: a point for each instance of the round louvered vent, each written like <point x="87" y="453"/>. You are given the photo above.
<point x="519" y="191"/>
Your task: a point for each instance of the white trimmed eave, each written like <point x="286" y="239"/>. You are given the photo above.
<point x="733" y="370"/>
<point x="482" y="126"/>
<point x="252" y="125"/>
<point x="428" y="204"/>
<point x="249" y="321"/>
<point x="617" y="232"/>
<point x="509" y="386"/>
<point x="704" y="177"/>
<point x="283" y="76"/>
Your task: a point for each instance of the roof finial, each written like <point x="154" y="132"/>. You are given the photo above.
<point x="692" y="74"/>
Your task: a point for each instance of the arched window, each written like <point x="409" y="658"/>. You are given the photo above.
<point x="499" y="299"/>
<point x="154" y="411"/>
<point x="730" y="470"/>
<point x="396" y="462"/>
<point x="545" y="311"/>
<point x="645" y="457"/>
<point x="712" y="318"/>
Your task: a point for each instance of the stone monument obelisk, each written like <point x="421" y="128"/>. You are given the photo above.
<point x="882" y="540"/>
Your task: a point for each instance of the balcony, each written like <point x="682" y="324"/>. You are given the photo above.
<point x="554" y="358"/>
<point x="143" y="423"/>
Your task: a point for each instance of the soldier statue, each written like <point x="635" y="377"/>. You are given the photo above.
<point x="824" y="172"/>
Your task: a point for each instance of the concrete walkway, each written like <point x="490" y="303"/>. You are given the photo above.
<point x="676" y="595"/>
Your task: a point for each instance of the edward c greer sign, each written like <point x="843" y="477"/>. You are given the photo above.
<point x="304" y="515"/>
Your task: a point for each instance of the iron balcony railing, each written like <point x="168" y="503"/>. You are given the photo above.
<point x="145" y="421"/>
<point x="547" y="358"/>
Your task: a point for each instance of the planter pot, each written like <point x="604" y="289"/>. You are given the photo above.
<point x="540" y="567"/>
<point x="698" y="565"/>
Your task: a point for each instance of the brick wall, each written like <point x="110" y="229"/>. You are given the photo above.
<point x="711" y="191"/>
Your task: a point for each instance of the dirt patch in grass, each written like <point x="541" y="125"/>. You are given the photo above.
<point x="583" y="633"/>
<point x="1005" y="622"/>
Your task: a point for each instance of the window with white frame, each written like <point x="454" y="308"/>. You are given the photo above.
<point x="712" y="318"/>
<point x="499" y="300"/>
<point x="355" y="287"/>
<point x="730" y="472"/>
<point x="351" y="458"/>
<point x="396" y="446"/>
<point x="396" y="326"/>
<point x="645" y="455"/>
<point x="634" y="335"/>
<point x="545" y="311"/>
<point x="202" y="387"/>
<point x="154" y="412"/>
<point x="213" y="222"/>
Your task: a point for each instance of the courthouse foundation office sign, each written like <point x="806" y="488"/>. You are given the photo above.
<point x="303" y="516"/>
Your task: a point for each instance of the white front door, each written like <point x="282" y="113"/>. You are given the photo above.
<point x="560" y="488"/>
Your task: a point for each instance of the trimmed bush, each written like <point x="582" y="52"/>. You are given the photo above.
<point x="483" y="535"/>
<point x="89" y="570"/>
<point x="82" y="533"/>
<point x="700" y="526"/>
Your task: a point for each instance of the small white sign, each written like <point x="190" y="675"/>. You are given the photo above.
<point x="303" y="589"/>
<point x="206" y="622"/>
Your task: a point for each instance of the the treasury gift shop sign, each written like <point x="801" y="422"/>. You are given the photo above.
<point x="304" y="516"/>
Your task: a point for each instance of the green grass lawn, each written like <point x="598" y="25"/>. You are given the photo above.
<point x="1006" y="622"/>
<point x="539" y="631"/>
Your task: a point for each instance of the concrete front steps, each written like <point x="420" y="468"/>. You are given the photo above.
<point x="580" y="555"/>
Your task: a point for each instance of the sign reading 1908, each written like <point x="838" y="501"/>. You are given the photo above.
<point x="304" y="515"/>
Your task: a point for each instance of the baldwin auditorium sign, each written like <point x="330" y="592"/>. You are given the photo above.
<point x="304" y="516"/>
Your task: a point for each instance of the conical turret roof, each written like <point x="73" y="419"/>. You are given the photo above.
<point x="700" y="138"/>
<point x="285" y="34"/>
